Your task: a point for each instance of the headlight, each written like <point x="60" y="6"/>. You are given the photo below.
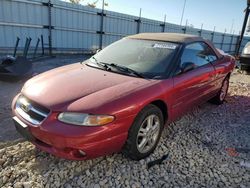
<point x="85" y="119"/>
<point x="246" y="50"/>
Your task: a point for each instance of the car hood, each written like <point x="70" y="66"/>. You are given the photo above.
<point x="60" y="87"/>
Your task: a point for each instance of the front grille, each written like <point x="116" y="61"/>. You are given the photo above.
<point x="31" y="111"/>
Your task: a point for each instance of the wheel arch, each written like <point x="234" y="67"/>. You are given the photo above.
<point x="228" y="75"/>
<point x="163" y="107"/>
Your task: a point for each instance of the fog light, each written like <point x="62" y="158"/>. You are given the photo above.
<point x="77" y="153"/>
<point x="82" y="152"/>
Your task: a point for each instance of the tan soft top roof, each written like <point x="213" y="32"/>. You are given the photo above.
<point x="174" y="37"/>
<point x="170" y="37"/>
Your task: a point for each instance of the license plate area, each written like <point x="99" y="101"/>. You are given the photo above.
<point x="22" y="128"/>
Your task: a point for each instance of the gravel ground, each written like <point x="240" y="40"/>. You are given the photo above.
<point x="197" y="146"/>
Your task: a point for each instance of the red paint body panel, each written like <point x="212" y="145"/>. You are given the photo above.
<point x="79" y="88"/>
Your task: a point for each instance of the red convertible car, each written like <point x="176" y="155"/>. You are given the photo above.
<point x="121" y="98"/>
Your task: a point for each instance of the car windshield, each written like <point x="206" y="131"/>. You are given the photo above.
<point x="148" y="58"/>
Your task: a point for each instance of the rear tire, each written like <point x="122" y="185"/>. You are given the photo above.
<point x="145" y="133"/>
<point x="220" y="97"/>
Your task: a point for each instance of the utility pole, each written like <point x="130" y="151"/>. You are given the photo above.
<point x="243" y="27"/>
<point x="183" y="10"/>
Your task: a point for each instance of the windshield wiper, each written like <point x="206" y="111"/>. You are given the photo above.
<point x="118" y="67"/>
<point x="126" y="69"/>
<point x="101" y="64"/>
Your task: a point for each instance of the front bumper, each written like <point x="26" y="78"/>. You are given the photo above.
<point x="245" y="61"/>
<point x="67" y="141"/>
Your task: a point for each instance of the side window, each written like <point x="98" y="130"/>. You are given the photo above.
<point x="209" y="53"/>
<point x="198" y="53"/>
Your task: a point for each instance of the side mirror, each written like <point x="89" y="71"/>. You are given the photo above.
<point x="188" y="66"/>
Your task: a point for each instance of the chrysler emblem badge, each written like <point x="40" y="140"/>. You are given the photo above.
<point x="26" y="107"/>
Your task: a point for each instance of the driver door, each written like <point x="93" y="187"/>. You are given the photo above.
<point x="191" y="87"/>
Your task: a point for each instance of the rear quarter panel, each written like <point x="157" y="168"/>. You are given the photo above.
<point x="223" y="67"/>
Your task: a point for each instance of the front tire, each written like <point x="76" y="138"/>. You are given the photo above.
<point x="220" y="97"/>
<point x="145" y="133"/>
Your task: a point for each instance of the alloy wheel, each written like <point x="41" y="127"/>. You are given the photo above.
<point x="148" y="133"/>
<point x="224" y="89"/>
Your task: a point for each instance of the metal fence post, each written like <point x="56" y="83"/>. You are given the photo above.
<point x="237" y="49"/>
<point x="138" y="22"/>
<point x="200" y="31"/>
<point x="185" y="28"/>
<point x="101" y="26"/>
<point x="42" y="44"/>
<point x="212" y="35"/>
<point x="164" y="24"/>
<point x="231" y="43"/>
<point x="222" y="41"/>
<point x="50" y="28"/>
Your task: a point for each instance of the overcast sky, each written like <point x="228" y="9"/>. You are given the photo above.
<point x="224" y="14"/>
